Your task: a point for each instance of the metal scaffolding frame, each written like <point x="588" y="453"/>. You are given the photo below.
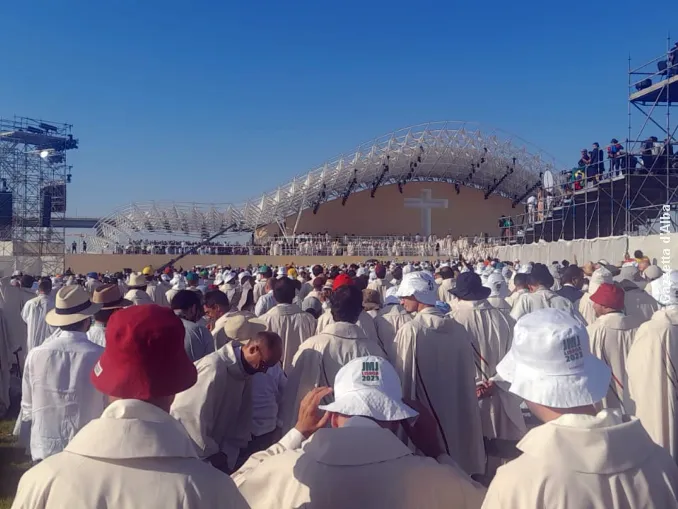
<point x="461" y="153"/>
<point x="33" y="168"/>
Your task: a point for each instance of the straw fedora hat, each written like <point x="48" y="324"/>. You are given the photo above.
<point x="110" y="297"/>
<point x="72" y="305"/>
<point x="242" y="328"/>
<point x="137" y="280"/>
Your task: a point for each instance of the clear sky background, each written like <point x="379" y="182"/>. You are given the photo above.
<point x="218" y="102"/>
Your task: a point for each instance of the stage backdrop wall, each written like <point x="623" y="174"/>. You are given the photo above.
<point x="392" y="213"/>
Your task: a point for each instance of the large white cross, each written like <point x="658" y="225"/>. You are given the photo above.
<point x="425" y="203"/>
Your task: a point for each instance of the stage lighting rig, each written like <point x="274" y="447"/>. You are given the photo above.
<point x="497" y="183"/>
<point x="321" y="196"/>
<point x="351" y="185"/>
<point x="377" y="182"/>
<point x="527" y="192"/>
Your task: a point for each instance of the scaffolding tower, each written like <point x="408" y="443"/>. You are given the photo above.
<point x="33" y="178"/>
<point x="633" y="193"/>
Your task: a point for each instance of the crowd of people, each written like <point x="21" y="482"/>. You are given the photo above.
<point x="315" y="245"/>
<point x="468" y="383"/>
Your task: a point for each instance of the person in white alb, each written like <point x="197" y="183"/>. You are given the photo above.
<point x="541" y="296"/>
<point x="320" y="357"/>
<point x="433" y="353"/>
<point x="637" y="302"/>
<point x="520" y="288"/>
<point x="287" y="320"/>
<point x="578" y="457"/>
<point x="111" y="300"/>
<point x="259" y="290"/>
<point x="651" y="369"/>
<point x="217" y="410"/>
<point x="267" y="300"/>
<point x="57" y="396"/>
<point x="389" y="320"/>
<point x="348" y="455"/>
<point x="611" y="337"/>
<point x="134" y="455"/>
<point x="34" y="313"/>
<point x="380" y="284"/>
<point x="137" y="290"/>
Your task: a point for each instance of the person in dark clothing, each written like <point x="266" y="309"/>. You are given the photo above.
<point x="572" y="281"/>
<point x="647" y="154"/>
<point x="598" y="160"/>
<point x="615" y="152"/>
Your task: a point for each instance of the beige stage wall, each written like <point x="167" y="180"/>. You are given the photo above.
<point x="464" y="214"/>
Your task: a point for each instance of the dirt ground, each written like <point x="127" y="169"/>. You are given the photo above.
<point x="13" y="461"/>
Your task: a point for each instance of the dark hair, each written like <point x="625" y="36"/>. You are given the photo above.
<point x="565" y="263"/>
<point x="397" y="272"/>
<point x="284" y="290"/>
<point x="185" y="299"/>
<point x="75" y="327"/>
<point x="317" y="270"/>
<point x="520" y="280"/>
<point x="352" y="273"/>
<point x="571" y="273"/>
<point x="104" y="315"/>
<point x="637" y="253"/>
<point x="27" y="281"/>
<point x="216" y="298"/>
<point x="540" y="276"/>
<point x="346" y="304"/>
<point x="45" y="285"/>
<point x="268" y="273"/>
<point x="319" y="282"/>
<point x="297" y="284"/>
<point x="446" y="273"/>
<point x="361" y="282"/>
<point x="268" y="338"/>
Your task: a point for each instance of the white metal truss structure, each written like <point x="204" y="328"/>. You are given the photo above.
<point x="454" y="152"/>
<point x="34" y="174"/>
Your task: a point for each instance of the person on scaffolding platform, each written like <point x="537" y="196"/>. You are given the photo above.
<point x="598" y="162"/>
<point x="615" y="153"/>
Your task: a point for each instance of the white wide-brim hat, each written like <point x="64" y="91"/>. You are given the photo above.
<point x="369" y="387"/>
<point x="72" y="305"/>
<point x="550" y="362"/>
<point x="419" y="285"/>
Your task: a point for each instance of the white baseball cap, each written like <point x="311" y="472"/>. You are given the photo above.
<point x="550" y="362"/>
<point x="369" y="387"/>
<point x="419" y="285"/>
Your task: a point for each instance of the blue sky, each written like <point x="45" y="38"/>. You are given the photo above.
<point x="217" y="102"/>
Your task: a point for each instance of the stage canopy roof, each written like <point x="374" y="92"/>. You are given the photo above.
<point x="453" y="152"/>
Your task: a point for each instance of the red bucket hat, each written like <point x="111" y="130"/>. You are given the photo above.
<point x="144" y="356"/>
<point x="610" y="296"/>
<point x="341" y="280"/>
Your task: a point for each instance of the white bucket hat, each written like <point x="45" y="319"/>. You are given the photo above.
<point x="242" y="328"/>
<point x="419" y="285"/>
<point x="369" y="387"/>
<point x="72" y="305"/>
<point x="550" y="362"/>
<point x="497" y="285"/>
<point x="230" y="277"/>
<point x="599" y="276"/>
<point x="392" y="296"/>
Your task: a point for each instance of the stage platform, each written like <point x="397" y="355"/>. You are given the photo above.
<point x="660" y="92"/>
<point x="617" y="206"/>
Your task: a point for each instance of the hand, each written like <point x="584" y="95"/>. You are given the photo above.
<point x="485" y="389"/>
<point x="310" y="419"/>
<point x="424" y="433"/>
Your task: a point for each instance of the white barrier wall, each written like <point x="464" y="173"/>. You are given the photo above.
<point x="661" y="249"/>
